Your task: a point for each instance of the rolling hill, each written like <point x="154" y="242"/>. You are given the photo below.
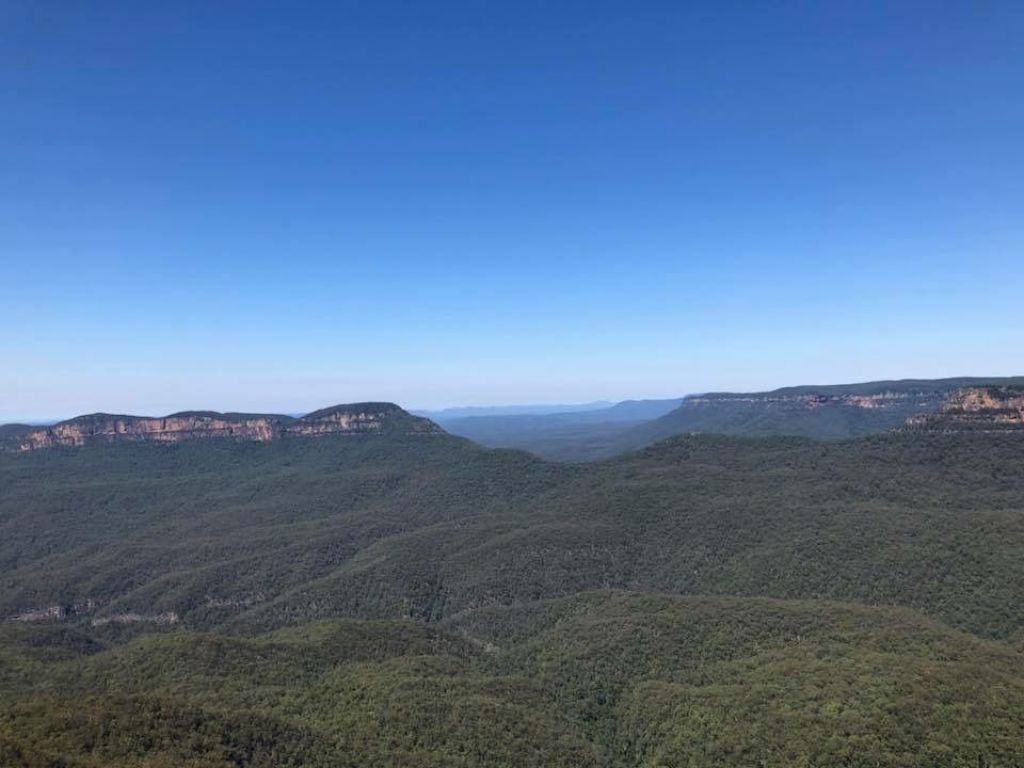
<point x="399" y="596"/>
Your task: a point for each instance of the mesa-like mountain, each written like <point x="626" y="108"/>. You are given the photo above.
<point x="354" y="419"/>
<point x="986" y="409"/>
<point x="209" y="595"/>
<point x="833" y="412"/>
<point x="824" y="413"/>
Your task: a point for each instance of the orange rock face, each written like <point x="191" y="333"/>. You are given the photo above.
<point x="812" y="401"/>
<point x="976" y="409"/>
<point x="978" y="399"/>
<point x="104" y="428"/>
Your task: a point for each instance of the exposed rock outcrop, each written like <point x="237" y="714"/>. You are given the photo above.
<point x="354" y="419"/>
<point x="826" y="412"/>
<point x="976" y="409"/>
<point x="812" y="401"/>
<point x="58" y="611"/>
<point x="160" y="619"/>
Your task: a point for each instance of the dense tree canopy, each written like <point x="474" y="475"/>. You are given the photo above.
<point x="395" y="600"/>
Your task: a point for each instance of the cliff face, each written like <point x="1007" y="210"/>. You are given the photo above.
<point x="992" y="409"/>
<point x="825" y="415"/>
<point x="359" y="418"/>
<point x="813" y="401"/>
<point x="103" y="428"/>
<point x="827" y="412"/>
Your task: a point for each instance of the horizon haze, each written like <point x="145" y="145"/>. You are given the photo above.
<point x="456" y="206"/>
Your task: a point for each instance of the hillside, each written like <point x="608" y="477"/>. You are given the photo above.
<point x="599" y="679"/>
<point x="830" y="412"/>
<point x="384" y="599"/>
<point x="263" y="534"/>
<point x="173" y="581"/>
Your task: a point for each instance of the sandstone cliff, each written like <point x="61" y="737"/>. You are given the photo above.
<point x="812" y="401"/>
<point x="98" y="428"/>
<point x="974" y="409"/>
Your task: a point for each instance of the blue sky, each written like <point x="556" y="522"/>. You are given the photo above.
<point x="276" y="206"/>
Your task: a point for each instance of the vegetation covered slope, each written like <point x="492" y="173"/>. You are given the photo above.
<point x="828" y="412"/>
<point x="394" y="600"/>
<point x="217" y="533"/>
<point x="598" y="679"/>
<point x="340" y="693"/>
<point x="205" y="529"/>
<point x="668" y="680"/>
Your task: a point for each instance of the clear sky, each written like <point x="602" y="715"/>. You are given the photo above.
<point x="281" y="205"/>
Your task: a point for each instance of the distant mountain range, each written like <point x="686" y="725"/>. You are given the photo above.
<point x="447" y="414"/>
<point x="563" y="435"/>
<point x="831" y="412"/>
<point x="828" y="412"/>
<point x="357" y="587"/>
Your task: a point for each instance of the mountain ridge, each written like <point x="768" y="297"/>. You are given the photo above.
<point x="821" y="412"/>
<point x="93" y="428"/>
<point x="827" y="412"/>
<point x="711" y="600"/>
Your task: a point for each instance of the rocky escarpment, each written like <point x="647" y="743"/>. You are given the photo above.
<point x="99" y="428"/>
<point x="976" y="409"/>
<point x="821" y="413"/>
<point x="829" y="412"/>
<point x="925" y="398"/>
